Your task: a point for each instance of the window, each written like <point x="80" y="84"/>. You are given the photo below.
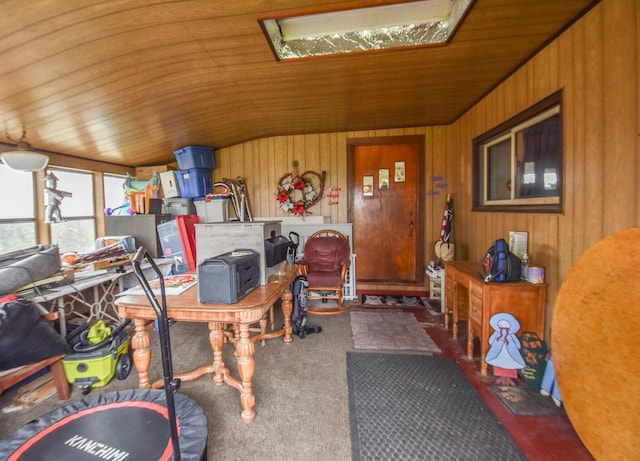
<point x="114" y="197"/>
<point x="518" y="165"/>
<point x="18" y="223"/>
<point x="378" y="27"/>
<point x="76" y="232"/>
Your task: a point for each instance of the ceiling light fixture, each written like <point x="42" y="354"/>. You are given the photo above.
<point x="23" y="157"/>
<point x="417" y="23"/>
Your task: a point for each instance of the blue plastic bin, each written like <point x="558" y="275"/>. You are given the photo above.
<point x="194" y="183"/>
<point x="190" y="157"/>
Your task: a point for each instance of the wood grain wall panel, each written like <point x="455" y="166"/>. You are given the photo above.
<point x="619" y="117"/>
<point x="593" y="156"/>
<point x="577" y="171"/>
<point x="600" y="126"/>
<point x="566" y="80"/>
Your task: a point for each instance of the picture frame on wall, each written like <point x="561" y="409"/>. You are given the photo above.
<point x="383" y="178"/>
<point x="399" y="172"/>
<point x="367" y="186"/>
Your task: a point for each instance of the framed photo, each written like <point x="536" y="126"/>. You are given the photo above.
<point x="399" y="172"/>
<point x="367" y="186"/>
<point x="383" y="178"/>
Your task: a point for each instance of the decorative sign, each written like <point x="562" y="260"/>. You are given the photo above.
<point x="437" y="183"/>
<point x="334" y="195"/>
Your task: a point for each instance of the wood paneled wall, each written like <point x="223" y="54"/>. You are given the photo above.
<point x="595" y="63"/>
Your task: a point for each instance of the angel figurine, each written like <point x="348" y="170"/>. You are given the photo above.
<point x="504" y="351"/>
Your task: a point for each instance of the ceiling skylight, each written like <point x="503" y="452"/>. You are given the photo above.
<point x="365" y="29"/>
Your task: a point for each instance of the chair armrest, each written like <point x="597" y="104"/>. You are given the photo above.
<point x="343" y="272"/>
<point x="303" y="268"/>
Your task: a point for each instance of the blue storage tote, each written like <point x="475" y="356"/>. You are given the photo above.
<point x="194" y="183"/>
<point x="190" y="157"/>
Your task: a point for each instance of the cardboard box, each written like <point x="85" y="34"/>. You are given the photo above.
<point x="144" y="173"/>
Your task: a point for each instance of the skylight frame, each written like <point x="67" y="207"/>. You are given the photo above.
<point x="388" y="37"/>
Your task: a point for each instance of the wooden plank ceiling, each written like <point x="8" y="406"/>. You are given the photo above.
<point x="129" y="81"/>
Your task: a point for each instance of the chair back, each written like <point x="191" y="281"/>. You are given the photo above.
<point x="326" y="253"/>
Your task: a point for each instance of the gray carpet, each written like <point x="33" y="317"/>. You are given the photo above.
<point x="417" y="407"/>
<point x="300" y="389"/>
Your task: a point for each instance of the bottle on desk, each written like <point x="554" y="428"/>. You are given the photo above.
<point x="524" y="273"/>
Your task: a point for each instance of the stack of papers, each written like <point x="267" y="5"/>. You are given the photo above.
<point x="173" y="285"/>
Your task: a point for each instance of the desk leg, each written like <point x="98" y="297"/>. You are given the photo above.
<point x="246" y="367"/>
<point x="287" y="308"/>
<point x="454" y="314"/>
<point x="141" y="342"/>
<point x="454" y="328"/>
<point x="469" y="340"/>
<point x="216" y="338"/>
<point x="446" y="318"/>
<point x="483" y="365"/>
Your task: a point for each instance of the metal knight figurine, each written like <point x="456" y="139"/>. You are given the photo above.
<point x="53" y="198"/>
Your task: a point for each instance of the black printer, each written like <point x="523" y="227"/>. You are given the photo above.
<point x="227" y="278"/>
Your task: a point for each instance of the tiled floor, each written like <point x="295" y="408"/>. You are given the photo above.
<point x="540" y="437"/>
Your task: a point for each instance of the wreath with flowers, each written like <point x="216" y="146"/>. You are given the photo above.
<point x="297" y="193"/>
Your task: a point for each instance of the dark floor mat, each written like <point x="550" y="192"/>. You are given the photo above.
<point x="391" y="301"/>
<point x="521" y="400"/>
<point x="418" y="407"/>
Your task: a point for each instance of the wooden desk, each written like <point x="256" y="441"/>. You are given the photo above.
<point x="469" y="298"/>
<point x="186" y="308"/>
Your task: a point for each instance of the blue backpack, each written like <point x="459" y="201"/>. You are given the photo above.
<point x="500" y="265"/>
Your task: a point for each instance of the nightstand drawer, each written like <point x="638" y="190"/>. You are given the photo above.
<point x="475" y="309"/>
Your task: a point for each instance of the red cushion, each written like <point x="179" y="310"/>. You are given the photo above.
<point x="326" y="254"/>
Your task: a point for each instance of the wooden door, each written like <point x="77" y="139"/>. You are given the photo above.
<point x="386" y="211"/>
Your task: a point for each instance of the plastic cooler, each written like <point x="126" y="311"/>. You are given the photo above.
<point x="178" y="240"/>
<point x="178" y="206"/>
<point x="194" y="183"/>
<point x="213" y="208"/>
<point x="191" y="157"/>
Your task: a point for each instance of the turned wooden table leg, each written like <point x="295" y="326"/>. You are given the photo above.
<point x="216" y="339"/>
<point x="287" y="308"/>
<point x="141" y="345"/>
<point x="246" y="367"/>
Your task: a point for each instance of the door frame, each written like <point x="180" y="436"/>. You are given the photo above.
<point x="419" y="141"/>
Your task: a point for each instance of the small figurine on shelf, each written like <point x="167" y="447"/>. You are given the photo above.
<point x="504" y="353"/>
<point x="53" y="198"/>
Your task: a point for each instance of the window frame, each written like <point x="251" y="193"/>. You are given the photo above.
<point x="77" y="219"/>
<point x="31" y="221"/>
<point x="539" y="112"/>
